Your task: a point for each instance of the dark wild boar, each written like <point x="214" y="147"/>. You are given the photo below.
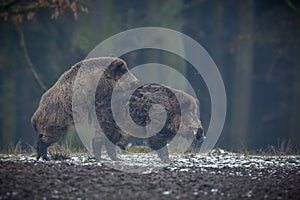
<point x="55" y="112"/>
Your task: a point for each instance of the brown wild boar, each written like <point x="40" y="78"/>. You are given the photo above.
<point x="178" y="106"/>
<point x="55" y="112"/>
<point x="141" y="101"/>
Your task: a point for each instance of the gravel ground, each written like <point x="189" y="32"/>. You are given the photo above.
<point x="23" y="178"/>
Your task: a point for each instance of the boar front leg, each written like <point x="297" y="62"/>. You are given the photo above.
<point x="97" y="143"/>
<point x="42" y="144"/>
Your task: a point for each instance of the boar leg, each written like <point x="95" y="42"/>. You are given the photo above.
<point x="111" y="150"/>
<point x="163" y="154"/>
<point x="97" y="143"/>
<point x="42" y="144"/>
<point x="197" y="141"/>
<point x="159" y="143"/>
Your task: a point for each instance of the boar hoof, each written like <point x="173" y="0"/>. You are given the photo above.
<point x="45" y="157"/>
<point x="164" y="155"/>
<point x="115" y="159"/>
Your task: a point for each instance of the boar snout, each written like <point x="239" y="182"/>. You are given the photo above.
<point x="41" y="149"/>
<point x="200" y="134"/>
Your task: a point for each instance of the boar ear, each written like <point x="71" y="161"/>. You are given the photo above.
<point x="115" y="65"/>
<point x="119" y="64"/>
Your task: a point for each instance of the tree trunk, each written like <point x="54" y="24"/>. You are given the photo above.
<point x="8" y="111"/>
<point x="241" y="98"/>
<point x="7" y="88"/>
<point x="107" y="19"/>
<point x="294" y="132"/>
<point x="218" y="32"/>
<point x="172" y="19"/>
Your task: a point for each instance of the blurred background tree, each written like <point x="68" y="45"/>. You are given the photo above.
<point x="13" y="13"/>
<point x="254" y="43"/>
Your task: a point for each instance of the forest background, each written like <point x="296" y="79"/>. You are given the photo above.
<point x="255" y="44"/>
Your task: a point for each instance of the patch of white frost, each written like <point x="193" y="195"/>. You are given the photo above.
<point x="149" y="162"/>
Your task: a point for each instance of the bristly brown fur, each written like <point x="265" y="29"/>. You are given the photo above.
<point x="55" y="111"/>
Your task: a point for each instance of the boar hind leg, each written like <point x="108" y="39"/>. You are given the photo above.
<point x="97" y="144"/>
<point x="111" y="150"/>
<point x="163" y="154"/>
<point x="159" y="143"/>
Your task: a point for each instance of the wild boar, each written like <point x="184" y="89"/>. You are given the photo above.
<point x="55" y="114"/>
<point x="142" y="100"/>
<point x="56" y="110"/>
<point x="181" y="109"/>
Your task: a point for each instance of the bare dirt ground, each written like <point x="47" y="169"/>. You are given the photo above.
<point x="26" y="179"/>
